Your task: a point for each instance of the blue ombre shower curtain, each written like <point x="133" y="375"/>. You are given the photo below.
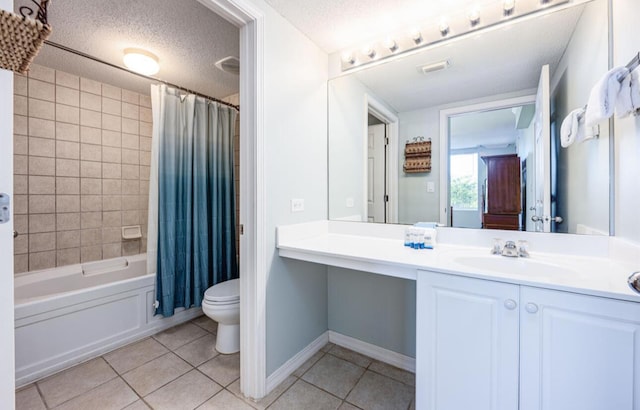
<point x="196" y="217"/>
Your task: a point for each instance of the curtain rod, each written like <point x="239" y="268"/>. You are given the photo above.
<point x="98" y="60"/>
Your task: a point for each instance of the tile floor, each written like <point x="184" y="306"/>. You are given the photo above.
<point x="179" y="368"/>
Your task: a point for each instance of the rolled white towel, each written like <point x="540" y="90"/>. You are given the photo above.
<point x="603" y="97"/>
<point x="629" y="97"/>
<point x="570" y="127"/>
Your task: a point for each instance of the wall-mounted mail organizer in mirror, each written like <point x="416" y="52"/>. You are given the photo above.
<point x="417" y="156"/>
<point x="504" y="91"/>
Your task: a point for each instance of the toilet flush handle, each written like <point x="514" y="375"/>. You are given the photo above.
<point x="156" y="304"/>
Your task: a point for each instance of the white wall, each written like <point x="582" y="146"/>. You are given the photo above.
<point x="627" y="131"/>
<point x="582" y="167"/>
<point x="295" y="134"/>
<point x="7" y="361"/>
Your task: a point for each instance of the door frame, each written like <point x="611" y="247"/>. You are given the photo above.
<point x="377" y="108"/>
<point x="444" y="140"/>
<point x="253" y="264"/>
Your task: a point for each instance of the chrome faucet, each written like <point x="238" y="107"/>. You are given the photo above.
<point x="510" y="249"/>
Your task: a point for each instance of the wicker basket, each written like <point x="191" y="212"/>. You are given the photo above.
<point x="20" y="41"/>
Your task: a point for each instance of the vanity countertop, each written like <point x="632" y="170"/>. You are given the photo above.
<point x="598" y="276"/>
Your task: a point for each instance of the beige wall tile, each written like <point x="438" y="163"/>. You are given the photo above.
<point x="145" y="144"/>
<point x="42" y="147"/>
<point x="21" y="263"/>
<point x="20" y="204"/>
<point x="42" y="109"/>
<point x="130" y="111"/>
<point x="20" y="125"/>
<point x="68" y="96"/>
<point x="39" y="185"/>
<point x="42" y="260"/>
<point x="42" y="166"/>
<point x="130" y="141"/>
<point x="110" y="91"/>
<point x="90" y="237"/>
<point x="21" y="164"/>
<point x="39" y="223"/>
<point x="67" y="80"/>
<point x="144" y="187"/>
<point x="67" y="132"/>
<point x="111" y="250"/>
<point x="90" y="169"/>
<point x="91" y="203"/>
<point x="21" y="223"/>
<point x="145" y="129"/>
<point x="111" y="203"/>
<point x="68" y="167"/>
<point x="43" y="73"/>
<point x="111" y="106"/>
<point x="20" y="145"/>
<point x="20" y="105"/>
<point x="42" y="204"/>
<point x="111" y="154"/>
<point x="67" y="150"/>
<point x="90" y="253"/>
<point x="20" y="85"/>
<point x="145" y="114"/>
<point x="89" y="135"/>
<point x="89" y="220"/>
<point x="111" y="186"/>
<point x="129" y="203"/>
<point x="68" y="239"/>
<point x="67" y="186"/>
<point x="42" y="90"/>
<point x="112" y="219"/>
<point x="130" y="172"/>
<point x="145" y="101"/>
<point x="68" y="114"/>
<point x="111" y="138"/>
<point x="90" y="101"/>
<point x="67" y="203"/>
<point x="130" y="186"/>
<point x="21" y="244"/>
<point x="112" y="235"/>
<point x="90" y="118"/>
<point x="20" y="184"/>
<point x="39" y="242"/>
<point x="145" y="158"/>
<point x="90" y="86"/>
<point x="131" y="248"/>
<point x="42" y="128"/>
<point x="67" y="257"/>
<point x="130" y="218"/>
<point x="143" y="202"/>
<point x="111" y="122"/>
<point x="130" y="156"/>
<point x="90" y="152"/>
<point x="91" y="186"/>
<point x="68" y="222"/>
<point x="130" y="126"/>
<point x="144" y="173"/>
<point x="130" y="97"/>
<point x="111" y="170"/>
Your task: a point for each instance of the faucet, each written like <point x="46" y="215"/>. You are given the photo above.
<point x="510" y="249"/>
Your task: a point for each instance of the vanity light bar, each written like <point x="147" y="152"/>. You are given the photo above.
<point x="501" y="12"/>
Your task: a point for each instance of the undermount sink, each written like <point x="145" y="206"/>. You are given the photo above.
<point x="512" y="265"/>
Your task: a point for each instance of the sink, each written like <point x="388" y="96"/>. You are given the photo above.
<point x="503" y="264"/>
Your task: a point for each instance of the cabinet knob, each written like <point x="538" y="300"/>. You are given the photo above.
<point x="510" y="304"/>
<point x="531" y="307"/>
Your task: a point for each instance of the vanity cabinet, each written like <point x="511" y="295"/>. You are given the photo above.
<point x="489" y="345"/>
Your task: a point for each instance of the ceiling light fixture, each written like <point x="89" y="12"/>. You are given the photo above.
<point x="474" y="17"/>
<point x="508" y="8"/>
<point x="390" y="44"/>
<point x="141" y="61"/>
<point x="444" y="28"/>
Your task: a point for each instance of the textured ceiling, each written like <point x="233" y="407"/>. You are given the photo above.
<point x="187" y="37"/>
<point x="500" y="61"/>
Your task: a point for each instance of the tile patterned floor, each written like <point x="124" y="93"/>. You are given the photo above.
<point x="179" y="369"/>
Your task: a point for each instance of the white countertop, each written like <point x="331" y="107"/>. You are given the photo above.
<point x="319" y="243"/>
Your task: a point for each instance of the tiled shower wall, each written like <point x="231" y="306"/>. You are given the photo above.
<point x="81" y="165"/>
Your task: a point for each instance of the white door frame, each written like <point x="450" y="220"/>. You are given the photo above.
<point x="253" y="268"/>
<point x="444" y="141"/>
<point x="377" y="108"/>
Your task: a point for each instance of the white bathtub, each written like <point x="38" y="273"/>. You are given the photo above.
<point x="67" y="315"/>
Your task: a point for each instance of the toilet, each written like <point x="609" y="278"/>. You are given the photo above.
<point x="222" y="304"/>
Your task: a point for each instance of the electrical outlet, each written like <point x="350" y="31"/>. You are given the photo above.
<point x="350" y="203"/>
<point x="431" y="186"/>
<point x="297" y="205"/>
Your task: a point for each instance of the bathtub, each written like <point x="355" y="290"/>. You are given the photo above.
<point x="67" y="315"/>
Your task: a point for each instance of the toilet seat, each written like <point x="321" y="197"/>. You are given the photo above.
<point x="224" y="293"/>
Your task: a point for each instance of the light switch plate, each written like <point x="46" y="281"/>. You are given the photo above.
<point x="297" y="205"/>
<point x="350" y="203"/>
<point x="431" y="186"/>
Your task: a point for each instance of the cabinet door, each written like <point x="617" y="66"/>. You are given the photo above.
<point x="467" y="343"/>
<point x="578" y="352"/>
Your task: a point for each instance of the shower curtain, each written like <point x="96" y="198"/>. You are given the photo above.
<point x="192" y="217"/>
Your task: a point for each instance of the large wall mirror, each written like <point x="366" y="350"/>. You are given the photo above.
<point x="491" y="104"/>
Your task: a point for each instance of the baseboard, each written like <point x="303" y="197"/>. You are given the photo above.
<point x="375" y="352"/>
<point x="296" y="361"/>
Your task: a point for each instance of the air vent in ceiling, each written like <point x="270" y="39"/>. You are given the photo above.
<point x="430" y="68"/>
<point x="229" y="64"/>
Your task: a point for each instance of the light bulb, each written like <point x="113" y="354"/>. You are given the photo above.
<point x="416" y="36"/>
<point x="369" y="52"/>
<point x="348" y="58"/>
<point x="508" y="7"/>
<point x="545" y="3"/>
<point x="390" y="44"/>
<point x="474" y="17"/>
<point x="444" y="27"/>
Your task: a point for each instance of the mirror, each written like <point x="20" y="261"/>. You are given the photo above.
<point x="499" y="92"/>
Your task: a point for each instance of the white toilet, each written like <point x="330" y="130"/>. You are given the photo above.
<point x="222" y="304"/>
